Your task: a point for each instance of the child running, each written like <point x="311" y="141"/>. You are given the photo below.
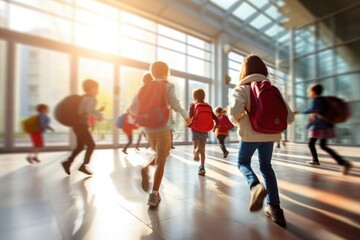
<point x="253" y="70"/>
<point x="81" y="128"/>
<point x="37" y="139"/>
<point x="222" y="129"/>
<point x="202" y="122"/>
<point x="160" y="137"/>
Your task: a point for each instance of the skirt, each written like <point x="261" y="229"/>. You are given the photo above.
<point x="322" y="133"/>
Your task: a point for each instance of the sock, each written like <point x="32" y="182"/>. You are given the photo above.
<point x="154" y="192"/>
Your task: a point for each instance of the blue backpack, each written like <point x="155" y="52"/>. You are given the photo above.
<point x="121" y="120"/>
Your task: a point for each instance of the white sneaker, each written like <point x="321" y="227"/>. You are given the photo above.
<point x="154" y="199"/>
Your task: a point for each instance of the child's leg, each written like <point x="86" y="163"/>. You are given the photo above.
<point x="89" y="142"/>
<point x="333" y="154"/>
<point x="196" y="149"/>
<point x="129" y="136"/>
<point x="221" y="139"/>
<point x="162" y="148"/>
<point x="139" y="140"/>
<point x="312" y="148"/>
<point x="79" y="144"/>
<point x="201" y="148"/>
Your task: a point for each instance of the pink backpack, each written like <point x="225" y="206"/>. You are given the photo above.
<point x="268" y="113"/>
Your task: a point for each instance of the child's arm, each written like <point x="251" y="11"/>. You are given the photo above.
<point x="45" y="123"/>
<point x="175" y="103"/>
<point x="90" y="107"/>
<point x="236" y="108"/>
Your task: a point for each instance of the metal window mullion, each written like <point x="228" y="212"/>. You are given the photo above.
<point x="10" y="96"/>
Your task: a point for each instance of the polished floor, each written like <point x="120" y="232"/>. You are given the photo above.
<point x="41" y="202"/>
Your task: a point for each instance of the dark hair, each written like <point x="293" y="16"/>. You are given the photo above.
<point x="317" y="88"/>
<point x="198" y="94"/>
<point x="253" y="64"/>
<point x="218" y="110"/>
<point x="147" y="78"/>
<point x="89" y="84"/>
<point x="41" y="107"/>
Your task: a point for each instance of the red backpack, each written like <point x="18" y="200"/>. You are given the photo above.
<point x="268" y="113"/>
<point x="152" y="110"/>
<point x="202" y="120"/>
<point x="224" y="124"/>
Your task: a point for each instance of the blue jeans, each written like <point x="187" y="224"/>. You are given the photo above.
<point x="265" y="150"/>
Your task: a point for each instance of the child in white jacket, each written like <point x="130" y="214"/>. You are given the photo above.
<point x="254" y="69"/>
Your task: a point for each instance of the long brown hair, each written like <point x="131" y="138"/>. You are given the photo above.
<point x="253" y="64"/>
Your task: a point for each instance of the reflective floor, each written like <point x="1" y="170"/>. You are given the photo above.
<point x="41" y="202"/>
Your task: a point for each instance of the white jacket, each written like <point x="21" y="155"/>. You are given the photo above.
<point x="240" y="98"/>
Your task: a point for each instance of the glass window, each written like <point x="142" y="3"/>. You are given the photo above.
<point x="301" y="89"/>
<point x="52" y="7"/>
<point x="171" y="44"/>
<point x="130" y="83"/>
<point x="96" y="32"/>
<point x="225" y="4"/>
<point x="96" y="6"/>
<point x="326" y="34"/>
<point x="273" y="12"/>
<point x="329" y="86"/>
<point x="138" y="21"/>
<point x="178" y="120"/>
<point x="260" y="21"/>
<point x="234" y="76"/>
<point x="347" y="58"/>
<point x="39" y="24"/>
<point x="304" y="40"/>
<point x="3" y="14"/>
<point x="198" y="42"/>
<point x="42" y="76"/>
<point x="348" y="87"/>
<point x="137" y="50"/>
<point x="305" y="68"/>
<point x="102" y="73"/>
<point x="2" y="90"/>
<point x="326" y="63"/>
<point x="173" y="59"/>
<point x="199" y="53"/>
<point x="244" y="11"/>
<point x="138" y="34"/>
<point x="274" y="30"/>
<point x="171" y="33"/>
<point x="198" y="67"/>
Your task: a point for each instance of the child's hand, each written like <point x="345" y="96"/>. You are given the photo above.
<point x="296" y="112"/>
<point x="101" y="109"/>
<point x="188" y="121"/>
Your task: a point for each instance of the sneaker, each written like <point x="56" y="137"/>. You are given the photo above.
<point x="258" y="193"/>
<point x="35" y="159"/>
<point x="313" y="162"/>
<point x="85" y="170"/>
<point x="29" y="159"/>
<point x="276" y="214"/>
<point x="66" y="165"/>
<point x="124" y="151"/>
<point x="153" y="200"/>
<point x="201" y="171"/>
<point x="172" y="147"/>
<point x="346" y="168"/>
<point x="226" y="154"/>
<point x="145" y="179"/>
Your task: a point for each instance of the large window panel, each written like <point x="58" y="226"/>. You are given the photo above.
<point x="305" y="68"/>
<point x="2" y="90"/>
<point x="42" y="76"/>
<point x="3" y="14"/>
<point x="39" y="24"/>
<point x="103" y="73"/>
<point x="347" y="88"/>
<point x="304" y="40"/>
<point x="138" y="33"/>
<point x="198" y="67"/>
<point x="173" y="59"/>
<point x="348" y="58"/>
<point x="137" y="50"/>
<point x="171" y="44"/>
<point x="178" y="121"/>
<point x="326" y="63"/>
<point x="329" y="86"/>
<point x="96" y="32"/>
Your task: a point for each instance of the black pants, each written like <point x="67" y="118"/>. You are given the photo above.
<point x="221" y="139"/>
<point x="83" y="137"/>
<point x="323" y="145"/>
<point x="130" y="137"/>
<point x="139" y="138"/>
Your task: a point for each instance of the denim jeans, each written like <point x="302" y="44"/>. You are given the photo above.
<point x="265" y="150"/>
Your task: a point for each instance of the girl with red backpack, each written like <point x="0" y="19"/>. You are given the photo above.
<point x="222" y="129"/>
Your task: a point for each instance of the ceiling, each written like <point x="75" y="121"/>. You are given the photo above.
<point x="260" y="28"/>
